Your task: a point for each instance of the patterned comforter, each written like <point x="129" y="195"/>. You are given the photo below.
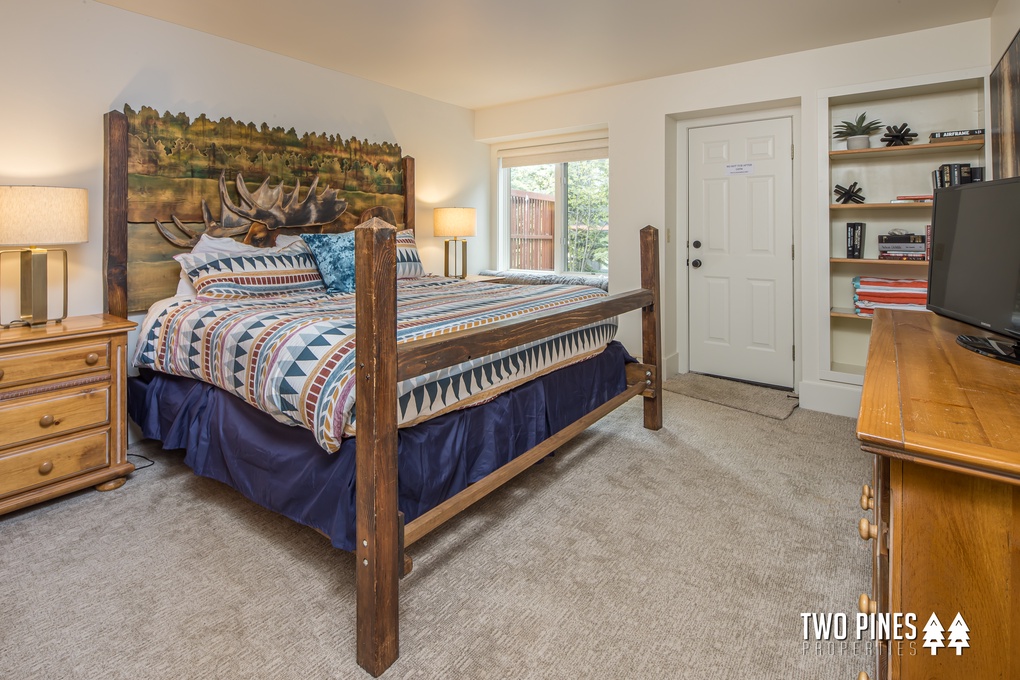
<point x="293" y="356"/>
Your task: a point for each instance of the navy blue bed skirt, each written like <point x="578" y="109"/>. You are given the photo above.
<point x="282" y="468"/>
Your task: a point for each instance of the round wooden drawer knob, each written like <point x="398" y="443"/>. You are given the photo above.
<point x="92" y="359"/>
<point x="863" y="676"/>
<point x="45" y="468"/>
<point x="47" y="421"/>
<point x="1" y="374"/>
<point x="866" y="605"/>
<point x="866" y="491"/>
<point x="867" y="502"/>
<point x="866" y="529"/>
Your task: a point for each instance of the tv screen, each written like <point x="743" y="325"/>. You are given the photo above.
<point x="974" y="272"/>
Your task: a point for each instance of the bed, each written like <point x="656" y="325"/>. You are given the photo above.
<point x="388" y="397"/>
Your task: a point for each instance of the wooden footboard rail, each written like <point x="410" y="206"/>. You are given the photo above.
<point x="381" y="535"/>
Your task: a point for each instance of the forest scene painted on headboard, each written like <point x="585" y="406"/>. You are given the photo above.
<point x="251" y="182"/>
<point x="1004" y="83"/>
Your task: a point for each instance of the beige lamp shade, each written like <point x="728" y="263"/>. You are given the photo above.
<point x="453" y="222"/>
<point x="42" y="216"/>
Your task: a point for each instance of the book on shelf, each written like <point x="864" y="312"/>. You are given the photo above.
<point x="951" y="174"/>
<point x="915" y="197"/>
<point x="953" y="135"/>
<point x="901" y="247"/>
<point x="927" y="241"/>
<point x="977" y="173"/>
<point x="902" y="238"/>
<point x="854" y="240"/>
<point x="913" y="256"/>
<point x="910" y="200"/>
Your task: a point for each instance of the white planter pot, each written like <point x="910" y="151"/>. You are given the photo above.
<point x="858" y="142"/>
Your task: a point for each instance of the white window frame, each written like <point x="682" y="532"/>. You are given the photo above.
<point x="561" y="149"/>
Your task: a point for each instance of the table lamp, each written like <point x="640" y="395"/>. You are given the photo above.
<point x="455" y="222"/>
<point x="33" y="216"/>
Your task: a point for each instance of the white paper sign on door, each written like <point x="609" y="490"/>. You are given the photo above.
<point x="740" y="168"/>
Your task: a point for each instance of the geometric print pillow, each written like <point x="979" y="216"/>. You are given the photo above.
<point x="408" y="261"/>
<point x="244" y="275"/>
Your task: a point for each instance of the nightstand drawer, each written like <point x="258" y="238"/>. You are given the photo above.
<point x="52" y="462"/>
<point x="19" y="368"/>
<point x="25" y="420"/>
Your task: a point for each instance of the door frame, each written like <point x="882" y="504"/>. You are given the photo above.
<point x="743" y="114"/>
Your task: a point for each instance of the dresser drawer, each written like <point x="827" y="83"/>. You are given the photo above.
<point x="53" y="414"/>
<point x="59" y="361"/>
<point x="48" y="463"/>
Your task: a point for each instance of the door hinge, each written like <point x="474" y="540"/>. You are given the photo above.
<point x="791" y="152"/>
<point x="794" y="352"/>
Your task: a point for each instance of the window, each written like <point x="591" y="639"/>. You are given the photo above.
<point x="554" y="207"/>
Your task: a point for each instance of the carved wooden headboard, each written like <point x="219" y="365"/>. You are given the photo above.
<point x="169" y="179"/>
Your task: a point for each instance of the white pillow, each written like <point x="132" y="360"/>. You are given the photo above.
<point x="213" y="244"/>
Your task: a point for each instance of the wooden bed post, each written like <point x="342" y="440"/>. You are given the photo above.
<point x="115" y="213"/>
<point x="378" y="531"/>
<point x="651" y="347"/>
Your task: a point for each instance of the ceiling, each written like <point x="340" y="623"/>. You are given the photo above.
<point x="482" y="53"/>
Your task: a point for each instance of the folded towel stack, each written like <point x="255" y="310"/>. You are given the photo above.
<point x="871" y="293"/>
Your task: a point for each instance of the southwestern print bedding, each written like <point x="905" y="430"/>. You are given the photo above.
<point x="293" y="355"/>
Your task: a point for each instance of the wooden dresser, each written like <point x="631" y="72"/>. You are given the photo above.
<point x="943" y="508"/>
<point x="62" y="409"/>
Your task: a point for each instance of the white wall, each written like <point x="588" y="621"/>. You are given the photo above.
<point x="1005" y="22"/>
<point x="641" y="115"/>
<point x="67" y="62"/>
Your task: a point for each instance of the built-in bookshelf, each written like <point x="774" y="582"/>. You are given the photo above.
<point x="883" y="174"/>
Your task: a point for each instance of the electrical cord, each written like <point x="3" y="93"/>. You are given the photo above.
<point x="138" y="455"/>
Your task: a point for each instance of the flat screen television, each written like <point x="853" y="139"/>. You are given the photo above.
<point x="974" y="271"/>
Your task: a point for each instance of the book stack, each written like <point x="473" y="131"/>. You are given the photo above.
<point x="976" y="135"/>
<point x="871" y="293"/>
<point x="903" y="247"/>
<point x="913" y="198"/>
<point x="854" y="240"/>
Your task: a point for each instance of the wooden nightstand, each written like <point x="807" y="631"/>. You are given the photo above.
<point x="62" y="409"/>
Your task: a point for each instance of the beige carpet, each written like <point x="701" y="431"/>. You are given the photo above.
<point x="765" y="401"/>
<point x="687" y="553"/>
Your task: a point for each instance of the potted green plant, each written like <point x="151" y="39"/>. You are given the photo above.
<point x="857" y="133"/>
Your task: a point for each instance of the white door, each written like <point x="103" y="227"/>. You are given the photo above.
<point x="740" y="251"/>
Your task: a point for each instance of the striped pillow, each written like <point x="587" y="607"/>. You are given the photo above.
<point x="408" y="262"/>
<point x="245" y="275"/>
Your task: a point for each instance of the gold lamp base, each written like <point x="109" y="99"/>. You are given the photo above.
<point x="450" y="270"/>
<point x="34" y="286"/>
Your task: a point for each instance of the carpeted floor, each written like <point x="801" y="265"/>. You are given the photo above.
<point x="687" y="553"/>
<point x="765" y="401"/>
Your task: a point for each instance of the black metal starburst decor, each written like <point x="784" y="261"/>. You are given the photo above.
<point x="898" y="135"/>
<point x="850" y="194"/>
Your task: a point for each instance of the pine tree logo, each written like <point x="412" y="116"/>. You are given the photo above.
<point x="958" y="634"/>
<point x="933" y="631"/>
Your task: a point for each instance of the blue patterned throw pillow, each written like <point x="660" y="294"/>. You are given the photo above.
<point x="334" y="255"/>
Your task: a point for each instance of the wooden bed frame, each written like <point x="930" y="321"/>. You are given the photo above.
<point x="382" y="536"/>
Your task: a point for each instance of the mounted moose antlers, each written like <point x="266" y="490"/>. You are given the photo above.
<point x="270" y="208"/>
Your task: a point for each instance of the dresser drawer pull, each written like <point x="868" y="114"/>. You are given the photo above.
<point x="47" y="421"/>
<point x="866" y="605"/>
<point x="1" y="374"/>
<point x="867" y="530"/>
<point x="863" y="676"/>
<point x="45" y="467"/>
<point x="91" y="358"/>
